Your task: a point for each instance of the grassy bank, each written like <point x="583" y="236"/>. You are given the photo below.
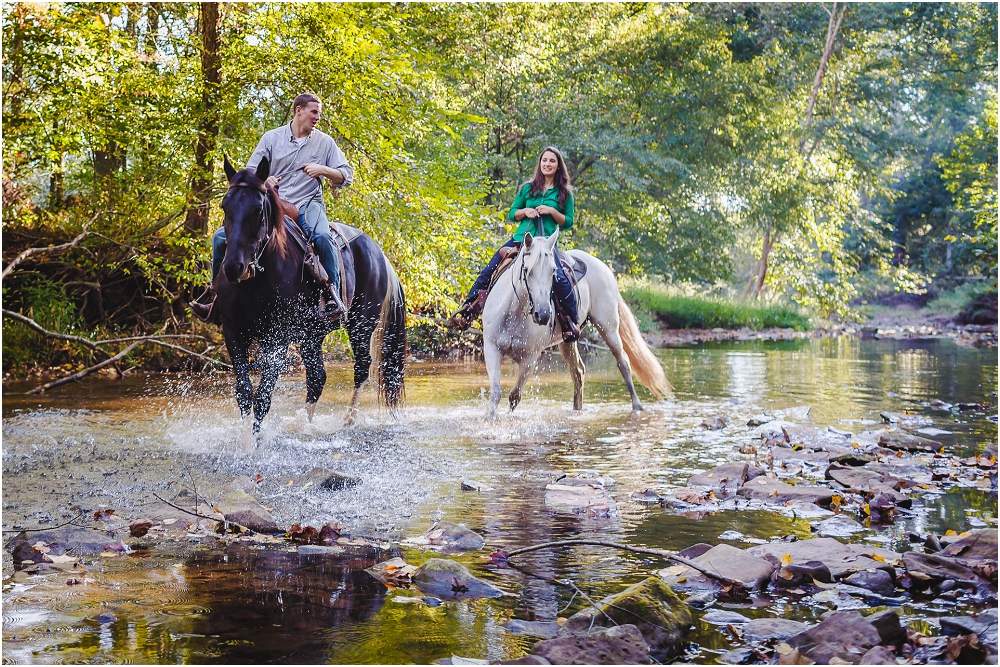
<point x="655" y="305"/>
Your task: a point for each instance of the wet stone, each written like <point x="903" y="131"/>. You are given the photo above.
<point x="854" y="479"/>
<point x="729" y="476"/>
<point x="646" y="497"/>
<point x="878" y="655"/>
<point x="762" y="629"/>
<point x="715" y="423"/>
<point x="454" y="536"/>
<point x="889" y="629"/>
<point x="540" y="629"/>
<point x="841" y="559"/>
<point x="802" y="574"/>
<point x="853" y="459"/>
<point x="775" y="491"/>
<point x="241" y="508"/>
<point x="934" y="568"/>
<point x="694" y="550"/>
<point x="527" y="660"/>
<point x="837" y="628"/>
<point x="984" y="625"/>
<point x="981" y="544"/>
<point x="722" y="617"/>
<point x="726" y="561"/>
<point x="618" y="645"/>
<point x="658" y="613"/>
<point x="581" y="497"/>
<point x="60" y="541"/>
<point x="739" y="656"/>
<point x="877" y="581"/>
<point x="906" y="442"/>
<point x="450" y="579"/>
<point x="837" y="526"/>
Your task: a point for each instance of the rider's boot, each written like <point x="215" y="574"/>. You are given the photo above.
<point x="204" y="307"/>
<point x="333" y="308"/>
<point x="570" y="330"/>
<point x="470" y="310"/>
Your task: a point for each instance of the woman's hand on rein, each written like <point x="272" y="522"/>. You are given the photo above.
<point x="531" y="212"/>
<point x="545" y="210"/>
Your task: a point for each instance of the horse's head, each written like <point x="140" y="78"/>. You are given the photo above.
<point x="246" y="207"/>
<point x="538" y="269"/>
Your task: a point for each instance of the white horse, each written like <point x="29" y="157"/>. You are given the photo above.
<point x="519" y="322"/>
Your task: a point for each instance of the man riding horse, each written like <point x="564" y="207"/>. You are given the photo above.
<point x="300" y="156"/>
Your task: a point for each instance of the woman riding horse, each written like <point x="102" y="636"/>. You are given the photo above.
<point x="547" y="197"/>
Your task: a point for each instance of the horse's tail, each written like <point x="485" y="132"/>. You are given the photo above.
<point x="388" y="343"/>
<point x="645" y="366"/>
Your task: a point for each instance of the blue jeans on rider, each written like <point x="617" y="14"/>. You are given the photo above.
<point x="314" y="214"/>
<point x="561" y="286"/>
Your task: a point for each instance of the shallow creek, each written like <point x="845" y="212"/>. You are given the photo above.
<point x="112" y="444"/>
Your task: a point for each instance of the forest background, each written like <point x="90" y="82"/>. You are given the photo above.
<point x="810" y="154"/>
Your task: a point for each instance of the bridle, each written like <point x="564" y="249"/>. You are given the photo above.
<point x="264" y="235"/>
<point x="523" y="276"/>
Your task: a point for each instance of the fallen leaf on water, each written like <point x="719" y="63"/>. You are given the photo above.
<point x="878" y="558"/>
<point x="63" y="559"/>
<point x="786" y="559"/>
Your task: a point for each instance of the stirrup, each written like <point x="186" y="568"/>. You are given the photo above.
<point x="570" y="332"/>
<point x="333" y="308"/>
<point x="469" y="311"/>
<point x="205" y="312"/>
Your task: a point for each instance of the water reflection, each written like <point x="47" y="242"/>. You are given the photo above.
<point x="114" y="443"/>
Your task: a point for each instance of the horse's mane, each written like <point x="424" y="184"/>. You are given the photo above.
<point x="248" y="178"/>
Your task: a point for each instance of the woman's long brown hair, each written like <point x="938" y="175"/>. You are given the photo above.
<point x="560" y="179"/>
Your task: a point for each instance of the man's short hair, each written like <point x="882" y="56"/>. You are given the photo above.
<point x="303" y="100"/>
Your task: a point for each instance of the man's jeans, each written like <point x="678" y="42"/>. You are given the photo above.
<point x="560" y="284"/>
<point x="314" y="215"/>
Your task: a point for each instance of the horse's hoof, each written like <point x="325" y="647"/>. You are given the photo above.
<point x="350" y="417"/>
<point x="248" y="441"/>
<point x="310" y="411"/>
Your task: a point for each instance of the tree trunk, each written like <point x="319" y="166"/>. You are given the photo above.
<point x="196" y="221"/>
<point x="756" y="283"/>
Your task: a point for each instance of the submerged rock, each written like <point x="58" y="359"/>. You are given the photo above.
<point x="618" y="645"/>
<point x="240" y="507"/>
<point x="41" y="546"/>
<point x="724" y="560"/>
<point x="446" y="578"/>
<point x="728" y="476"/>
<point x="715" y="423"/>
<point x="454" y="536"/>
<point x="837" y="526"/>
<point x="761" y="629"/>
<point x="934" y="568"/>
<point x="984" y="625"/>
<point x="842" y="634"/>
<point x="582" y="497"/>
<point x="539" y="629"/>
<point x="981" y="544"/>
<point x="659" y="614"/>
<point x="802" y="574"/>
<point x="722" y="617"/>
<point x="876" y="581"/>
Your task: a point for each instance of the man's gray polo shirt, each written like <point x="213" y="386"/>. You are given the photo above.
<point x="287" y="155"/>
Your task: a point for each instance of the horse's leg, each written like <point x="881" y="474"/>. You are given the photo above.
<point x="492" y="356"/>
<point x="312" y="356"/>
<point x="239" y="355"/>
<point x="273" y="360"/>
<point x="360" y="336"/>
<point x="609" y="332"/>
<point x="524" y="369"/>
<point x="571" y="353"/>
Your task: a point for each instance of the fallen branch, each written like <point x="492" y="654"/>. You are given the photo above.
<point x="669" y="555"/>
<point x="202" y="516"/>
<point x="32" y="324"/>
<point x="30" y="252"/>
<point x="86" y="371"/>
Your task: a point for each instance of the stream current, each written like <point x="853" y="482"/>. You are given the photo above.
<point x="107" y="444"/>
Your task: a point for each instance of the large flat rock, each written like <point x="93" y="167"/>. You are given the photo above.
<point x="724" y="560"/>
<point x="727" y="476"/>
<point x="772" y="490"/>
<point x="907" y="442"/>
<point x="842" y="559"/>
<point x="977" y="546"/>
<point x="581" y="498"/>
<point x="618" y="645"/>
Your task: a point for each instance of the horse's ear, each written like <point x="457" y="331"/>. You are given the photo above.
<point x="528" y="238"/>
<point x="554" y="238"/>
<point x="227" y="165"/>
<point x="264" y="169"/>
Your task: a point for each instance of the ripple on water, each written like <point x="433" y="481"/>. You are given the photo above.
<point x="183" y="610"/>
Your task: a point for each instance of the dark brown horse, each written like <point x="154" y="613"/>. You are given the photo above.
<point x="264" y="298"/>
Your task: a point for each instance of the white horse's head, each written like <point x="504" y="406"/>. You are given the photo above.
<point x="538" y="269"/>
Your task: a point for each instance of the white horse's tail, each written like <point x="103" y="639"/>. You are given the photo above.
<point x="645" y="367"/>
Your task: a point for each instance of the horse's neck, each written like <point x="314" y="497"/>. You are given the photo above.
<point x="514" y="292"/>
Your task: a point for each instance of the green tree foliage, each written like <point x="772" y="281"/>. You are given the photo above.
<point x="695" y="134"/>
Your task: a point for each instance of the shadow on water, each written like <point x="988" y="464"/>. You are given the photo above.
<point x="112" y="444"/>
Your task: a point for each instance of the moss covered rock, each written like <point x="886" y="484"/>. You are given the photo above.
<point x="659" y="614"/>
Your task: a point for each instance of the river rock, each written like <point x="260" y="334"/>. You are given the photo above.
<point x="843" y="634"/>
<point x="788" y="454"/>
<point x="801" y="435"/>
<point x="240" y="507"/>
<point x="798" y="412"/>
<point x="715" y="423"/>
<point x="694" y="550"/>
<point x="539" y="629"/>
<point x="852" y="459"/>
<point x="728" y="476"/>
<point x="618" y="645"/>
<point x="762" y="629"/>
<point x="876" y="581"/>
<point x="722" y="617"/>
<point x="841" y="559"/>
<point x="984" y="625"/>
<point x="775" y="491"/>
<point x="934" y="568"/>
<point x="319" y="478"/>
<point x="802" y="574"/>
<point x="878" y="655"/>
<point x="724" y="560"/>
<point x="857" y="480"/>
<point x="450" y="579"/>
<point x="454" y="536"/>
<point x="581" y="497"/>
<point x="39" y="546"/>
<point x="837" y="526"/>
<point x="910" y="472"/>
<point x="906" y="442"/>
<point x="890" y="631"/>
<point x="981" y="544"/>
<point x="647" y="497"/>
<point x="659" y="614"/>
<point x="526" y="660"/>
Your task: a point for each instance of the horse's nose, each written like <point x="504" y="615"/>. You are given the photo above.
<point x="234" y="271"/>
<point x="541" y="316"/>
